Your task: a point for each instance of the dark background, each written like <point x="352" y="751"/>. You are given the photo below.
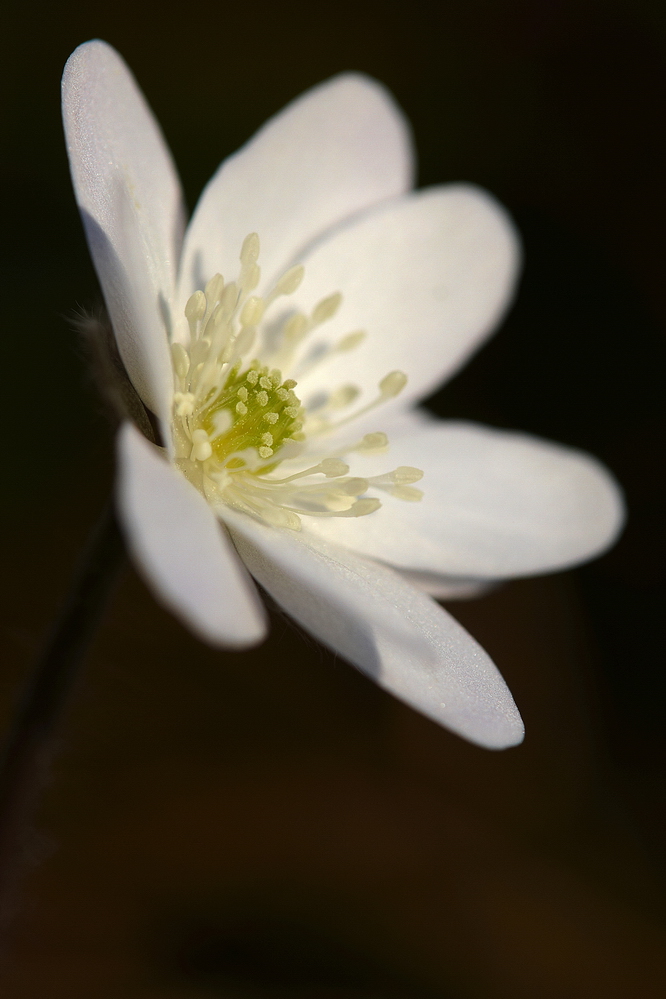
<point x="271" y="824"/>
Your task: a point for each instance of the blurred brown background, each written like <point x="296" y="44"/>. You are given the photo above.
<point x="271" y="824"/>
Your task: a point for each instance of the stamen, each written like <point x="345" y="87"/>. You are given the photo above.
<point x="184" y="403"/>
<point x="343" y="346"/>
<point x="195" y="308"/>
<point x="330" y="467"/>
<point x="295" y="327"/>
<point x="253" y="311"/>
<point x="236" y="420"/>
<point x="361" y="508"/>
<point x="397" y="483"/>
<point x="402" y="475"/>
<point x="371" y="444"/>
<point x="390" y="386"/>
<point x="249" y="253"/>
<point x="407" y="493"/>
<point x="287" y="284"/>
<point x="201" y="448"/>
<point x="181" y="359"/>
<point x="213" y="291"/>
<point x="343" y="396"/>
<point x="326" y="309"/>
<point x="290" y="281"/>
<point x="351" y="341"/>
<point x="333" y="467"/>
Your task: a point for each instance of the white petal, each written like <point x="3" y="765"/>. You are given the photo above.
<point x="496" y="503"/>
<point x="182" y="550"/>
<point x="427" y="276"/>
<point x="129" y="196"/>
<point x="397" y="635"/>
<point x="337" y="149"/>
<point x="447" y="587"/>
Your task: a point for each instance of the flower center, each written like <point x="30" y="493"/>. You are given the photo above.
<point x="235" y="421"/>
<point x="255" y="410"/>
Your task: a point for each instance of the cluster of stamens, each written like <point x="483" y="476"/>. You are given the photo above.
<point x="236" y="421"/>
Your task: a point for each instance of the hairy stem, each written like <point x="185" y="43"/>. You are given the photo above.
<point x="31" y="744"/>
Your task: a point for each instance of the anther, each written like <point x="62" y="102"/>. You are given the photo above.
<point x="201" y="449"/>
<point x="253" y="278"/>
<point x="195" y="308"/>
<point x="392" y="384"/>
<point x="289" y="281"/>
<point x="343" y="396"/>
<point x="243" y="421"/>
<point x="252" y="311"/>
<point x="356" y="486"/>
<point x="372" y="444"/>
<point x="408" y="493"/>
<point x="333" y="467"/>
<point x="184" y="403"/>
<point x="327" y="308"/>
<point x="181" y="359"/>
<point x="363" y="507"/>
<point x="249" y="253"/>
<point x="351" y="341"/>
<point x="229" y="298"/>
<point x="405" y="473"/>
<point x="214" y="289"/>
<point x="295" y="327"/>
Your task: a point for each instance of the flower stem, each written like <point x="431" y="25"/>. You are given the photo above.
<point x="31" y="744"/>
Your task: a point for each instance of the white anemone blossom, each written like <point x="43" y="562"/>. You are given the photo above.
<point x="281" y="341"/>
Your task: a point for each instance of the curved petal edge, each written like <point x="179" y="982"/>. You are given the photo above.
<point x="336" y="150"/>
<point x="129" y="196"/>
<point x="183" y="550"/>
<point x="496" y="504"/>
<point x="389" y="630"/>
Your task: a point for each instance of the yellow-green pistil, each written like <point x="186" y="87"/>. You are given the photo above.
<point x="235" y="423"/>
<point x="255" y="409"/>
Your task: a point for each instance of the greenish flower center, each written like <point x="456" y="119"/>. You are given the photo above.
<point x="235" y="424"/>
<point x="255" y="409"/>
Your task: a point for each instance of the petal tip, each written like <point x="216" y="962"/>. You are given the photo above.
<point x="613" y="510"/>
<point x="220" y="637"/>
<point x="93" y="50"/>
<point x="494" y="726"/>
<point x="508" y="736"/>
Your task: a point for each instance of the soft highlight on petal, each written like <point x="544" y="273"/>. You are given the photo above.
<point x="182" y="550"/>
<point x="428" y="277"/>
<point x="129" y="196"/>
<point x="446" y="587"/>
<point x="339" y="148"/>
<point x="392" y="632"/>
<point x="496" y="504"/>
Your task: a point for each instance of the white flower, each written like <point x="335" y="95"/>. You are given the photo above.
<point x="254" y="379"/>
